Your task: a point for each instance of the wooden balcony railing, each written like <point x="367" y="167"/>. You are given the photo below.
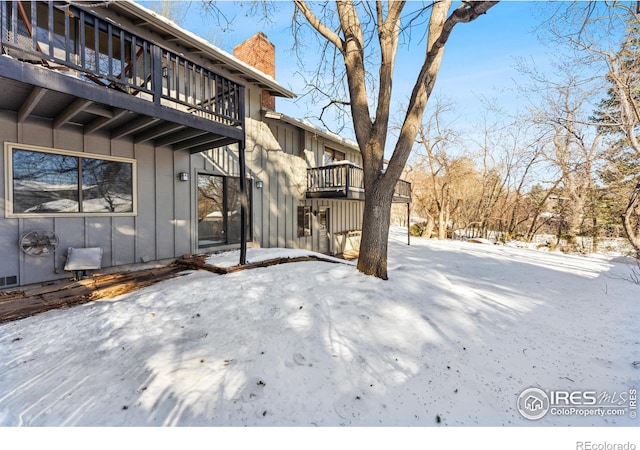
<point x="80" y="43"/>
<point x="402" y="190"/>
<point x="346" y="181"/>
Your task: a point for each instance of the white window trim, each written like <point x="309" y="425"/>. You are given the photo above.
<point x="8" y="164"/>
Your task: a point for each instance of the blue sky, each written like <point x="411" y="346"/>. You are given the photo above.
<point x="479" y="59"/>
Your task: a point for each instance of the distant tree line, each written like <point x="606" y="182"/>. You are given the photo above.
<point x="569" y="165"/>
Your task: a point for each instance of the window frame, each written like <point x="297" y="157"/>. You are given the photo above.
<point x="307" y="214"/>
<point x="334" y="155"/>
<point x="9" y="147"/>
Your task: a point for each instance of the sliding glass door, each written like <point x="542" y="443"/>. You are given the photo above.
<point x="219" y="210"/>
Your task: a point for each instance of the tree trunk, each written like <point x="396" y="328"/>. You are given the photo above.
<point x="441" y="225"/>
<point x="447" y="218"/>
<point x="631" y="220"/>
<point x="371" y="129"/>
<point x="428" y="231"/>
<point x="375" y="226"/>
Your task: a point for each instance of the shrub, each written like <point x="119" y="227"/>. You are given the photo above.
<point x="416" y="229"/>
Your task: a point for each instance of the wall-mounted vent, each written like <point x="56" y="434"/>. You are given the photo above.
<point x="8" y="281"/>
<point x="39" y="243"/>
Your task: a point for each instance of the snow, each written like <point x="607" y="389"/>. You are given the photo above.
<point x="455" y="334"/>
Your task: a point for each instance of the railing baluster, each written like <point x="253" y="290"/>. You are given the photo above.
<point x="110" y="50"/>
<point x="52" y="36"/>
<point x="83" y="40"/>
<point x="202" y="89"/>
<point x="225" y="98"/>
<point x="209" y="93"/>
<point x="185" y="81"/>
<point x="348" y="181"/>
<point x="134" y="60"/>
<point x="218" y="96"/>
<point x="96" y="43"/>
<point x="156" y="73"/>
<point x="123" y="64"/>
<point x="3" y="18"/>
<point x="238" y="102"/>
<point x="34" y="26"/>
<point x="171" y="72"/>
<point x="177" y="66"/>
<point x="145" y="64"/>
<point x="14" y="22"/>
<point x="67" y="39"/>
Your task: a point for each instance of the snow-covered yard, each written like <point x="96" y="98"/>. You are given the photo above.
<point x="452" y="338"/>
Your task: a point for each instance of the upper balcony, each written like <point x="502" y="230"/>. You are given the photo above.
<point x="346" y="181"/>
<point x="98" y="74"/>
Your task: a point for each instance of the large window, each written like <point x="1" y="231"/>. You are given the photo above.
<point x="219" y="203"/>
<point x="48" y="182"/>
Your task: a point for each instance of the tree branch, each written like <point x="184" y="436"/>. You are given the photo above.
<point x="440" y="28"/>
<point x="316" y="23"/>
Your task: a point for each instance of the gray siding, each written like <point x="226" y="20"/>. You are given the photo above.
<point x="161" y="229"/>
<point x="165" y="225"/>
<point x="278" y="154"/>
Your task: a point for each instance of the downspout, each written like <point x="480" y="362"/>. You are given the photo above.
<point x="243" y="181"/>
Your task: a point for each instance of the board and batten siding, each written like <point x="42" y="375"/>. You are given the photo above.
<point x="278" y="154"/>
<point x="160" y="230"/>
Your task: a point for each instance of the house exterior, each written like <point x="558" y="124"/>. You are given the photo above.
<point x="124" y="133"/>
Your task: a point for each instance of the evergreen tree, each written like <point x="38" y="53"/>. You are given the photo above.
<point x="618" y="116"/>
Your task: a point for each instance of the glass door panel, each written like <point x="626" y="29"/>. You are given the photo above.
<point x="211" y="211"/>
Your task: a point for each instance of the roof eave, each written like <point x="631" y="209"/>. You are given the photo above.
<point x="311" y="128"/>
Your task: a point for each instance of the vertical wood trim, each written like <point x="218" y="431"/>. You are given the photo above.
<point x="155" y="201"/>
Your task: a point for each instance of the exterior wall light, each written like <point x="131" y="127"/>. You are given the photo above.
<point x="259" y="184"/>
<point x="183" y="176"/>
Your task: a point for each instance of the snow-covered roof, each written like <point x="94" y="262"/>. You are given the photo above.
<point x="306" y="125"/>
<point x="202" y="47"/>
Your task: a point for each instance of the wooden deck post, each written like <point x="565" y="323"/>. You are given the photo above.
<point x="243" y="182"/>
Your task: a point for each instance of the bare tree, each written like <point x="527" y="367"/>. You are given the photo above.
<point x="521" y="157"/>
<point x="432" y="169"/>
<point x="175" y="11"/>
<point x="586" y="29"/>
<point x="571" y="146"/>
<point x="355" y="32"/>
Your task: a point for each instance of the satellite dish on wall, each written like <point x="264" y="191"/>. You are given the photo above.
<point x="39" y="243"/>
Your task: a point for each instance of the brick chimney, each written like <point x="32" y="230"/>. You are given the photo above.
<point x="258" y="52"/>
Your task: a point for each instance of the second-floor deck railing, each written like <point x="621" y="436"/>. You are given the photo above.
<point x="345" y="180"/>
<point x="402" y="189"/>
<point x="80" y="43"/>
<point x="335" y="178"/>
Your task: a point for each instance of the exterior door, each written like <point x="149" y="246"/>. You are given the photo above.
<point x="219" y="210"/>
<point x="323" y="231"/>
<point x="212" y="226"/>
